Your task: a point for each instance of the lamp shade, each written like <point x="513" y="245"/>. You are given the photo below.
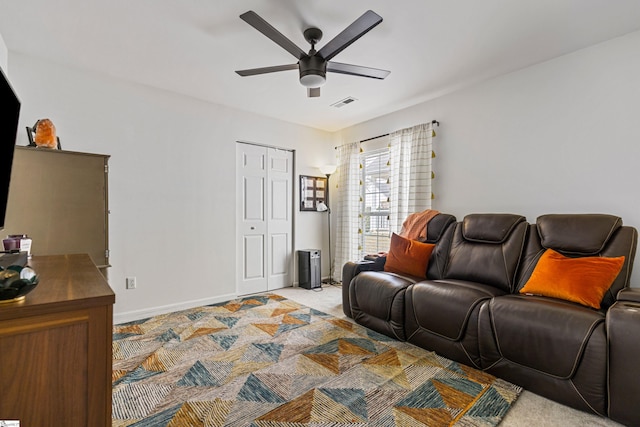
<point x="322" y="207"/>
<point x="328" y="169"/>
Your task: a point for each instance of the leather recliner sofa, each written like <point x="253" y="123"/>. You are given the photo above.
<point x="469" y="307"/>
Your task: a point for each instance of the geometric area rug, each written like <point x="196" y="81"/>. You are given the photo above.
<point x="266" y="361"/>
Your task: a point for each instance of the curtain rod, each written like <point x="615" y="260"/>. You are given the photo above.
<point x="433" y="122"/>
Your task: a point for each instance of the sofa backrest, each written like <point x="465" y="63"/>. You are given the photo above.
<point x="580" y="235"/>
<point x="439" y="233"/>
<point x="486" y="248"/>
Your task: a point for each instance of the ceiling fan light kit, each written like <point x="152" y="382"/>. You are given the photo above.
<point x="313" y="71"/>
<point x="313" y="66"/>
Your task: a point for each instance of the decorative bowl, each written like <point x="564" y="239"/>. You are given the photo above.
<point x="16" y="282"/>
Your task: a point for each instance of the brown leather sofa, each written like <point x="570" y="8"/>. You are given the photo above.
<point x="469" y="308"/>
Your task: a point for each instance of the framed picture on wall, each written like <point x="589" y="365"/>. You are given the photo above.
<point x="312" y="192"/>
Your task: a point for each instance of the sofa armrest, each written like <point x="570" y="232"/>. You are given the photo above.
<point x="623" y="334"/>
<point x="351" y="270"/>
<point x="629" y="294"/>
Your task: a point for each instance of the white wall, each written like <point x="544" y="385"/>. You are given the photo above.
<point x="559" y="137"/>
<point x="4" y="53"/>
<point x="172" y="178"/>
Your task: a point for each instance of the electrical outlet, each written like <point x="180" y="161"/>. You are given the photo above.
<point x="131" y="282"/>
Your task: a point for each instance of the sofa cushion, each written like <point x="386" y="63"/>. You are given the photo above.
<point x="622" y="242"/>
<point x="443" y="307"/>
<point x="486" y="248"/>
<point x="582" y="280"/>
<point x="407" y="256"/>
<point x="437" y="226"/>
<point x="546" y="335"/>
<point x="442" y="227"/>
<point x="553" y="348"/>
<point x="579" y="234"/>
<point x="489" y="228"/>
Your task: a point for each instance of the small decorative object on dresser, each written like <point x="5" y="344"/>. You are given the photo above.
<point x="16" y="281"/>
<point x="43" y="134"/>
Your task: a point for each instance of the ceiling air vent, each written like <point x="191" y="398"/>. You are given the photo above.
<point x="343" y="102"/>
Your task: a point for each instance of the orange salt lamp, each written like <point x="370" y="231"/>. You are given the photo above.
<point x="45" y="134"/>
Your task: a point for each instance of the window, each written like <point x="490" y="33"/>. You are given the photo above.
<point x="374" y="208"/>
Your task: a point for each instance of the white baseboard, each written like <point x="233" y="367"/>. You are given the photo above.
<point x="130" y="316"/>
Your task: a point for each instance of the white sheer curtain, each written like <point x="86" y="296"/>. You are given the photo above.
<point x="347" y="207"/>
<point x="411" y="153"/>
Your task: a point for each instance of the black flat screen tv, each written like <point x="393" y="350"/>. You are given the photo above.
<point x="9" y="115"/>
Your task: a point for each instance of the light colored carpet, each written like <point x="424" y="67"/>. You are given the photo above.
<point x="529" y="410"/>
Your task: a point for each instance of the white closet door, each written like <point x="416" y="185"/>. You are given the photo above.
<point x="279" y="222"/>
<point x="264" y="209"/>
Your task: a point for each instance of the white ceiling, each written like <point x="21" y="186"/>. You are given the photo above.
<point x="193" y="47"/>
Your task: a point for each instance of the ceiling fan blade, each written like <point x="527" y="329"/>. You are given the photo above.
<point x="267" y="29"/>
<point x="313" y="92"/>
<point x="265" y="70"/>
<point x="357" y="70"/>
<point x="350" y="34"/>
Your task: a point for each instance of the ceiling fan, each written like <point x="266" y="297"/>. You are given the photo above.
<point x="314" y="65"/>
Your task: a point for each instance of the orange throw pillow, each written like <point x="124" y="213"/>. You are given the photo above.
<point x="408" y="256"/>
<point x="582" y="280"/>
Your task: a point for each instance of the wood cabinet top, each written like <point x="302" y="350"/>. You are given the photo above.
<point x="48" y="150"/>
<point x="67" y="282"/>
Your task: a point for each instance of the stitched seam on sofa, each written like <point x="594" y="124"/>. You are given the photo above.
<point x="464" y="323"/>
<point x="469" y="356"/>
<point x="449" y="247"/>
<point x="436" y="263"/>
<point x="353" y="301"/>
<point x="585" y="341"/>
<point x="513" y="284"/>
<point x="453" y="249"/>
<point x="628" y="262"/>
<point x="388" y="316"/>
<point x="415" y="318"/>
<point x="394" y="332"/>
<point x="618" y="223"/>
<point x="452" y="254"/>
<point x="575" y="362"/>
<point x="611" y="231"/>
<point x="494" y="335"/>
<point x="628" y="259"/>
<point x="493" y="364"/>
<point x="529" y="269"/>
<point x="442" y="230"/>
<point x="505" y="237"/>
<point x="548" y="375"/>
<point x="407" y="292"/>
<point x="529" y="368"/>
<point x="584" y="400"/>
<point x="608" y="391"/>
<point x="395" y="295"/>
<point x="506" y="268"/>
<point x="439" y="268"/>
<point x="360" y="315"/>
<point x="404" y="277"/>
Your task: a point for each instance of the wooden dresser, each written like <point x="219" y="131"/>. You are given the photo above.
<point x="55" y="347"/>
